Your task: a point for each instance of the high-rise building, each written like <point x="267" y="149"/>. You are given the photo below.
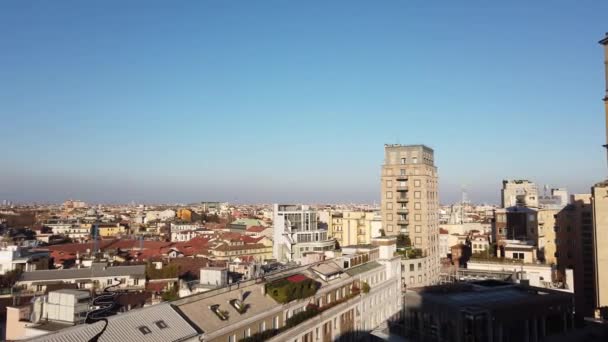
<point x="410" y="204"/>
<point x="519" y="192"/>
<point x="296" y="232"/>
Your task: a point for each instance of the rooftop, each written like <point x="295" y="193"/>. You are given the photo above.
<point x="84" y="273"/>
<point x="491" y="295"/>
<point x="156" y="323"/>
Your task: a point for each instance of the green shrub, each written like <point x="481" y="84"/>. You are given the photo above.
<point x="284" y="291"/>
<point x="365" y="287"/>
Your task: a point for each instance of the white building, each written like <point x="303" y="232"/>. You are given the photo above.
<point x="16" y="258"/>
<point x="98" y="276"/>
<point x="187" y="235"/>
<point x="176" y="227"/>
<point x="479" y="243"/>
<point x="519" y="192"/>
<point x="296" y="232"/>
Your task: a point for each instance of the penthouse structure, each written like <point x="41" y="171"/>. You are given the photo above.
<point x="296" y="232"/>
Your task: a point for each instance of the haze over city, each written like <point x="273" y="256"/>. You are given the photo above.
<point x="279" y="101"/>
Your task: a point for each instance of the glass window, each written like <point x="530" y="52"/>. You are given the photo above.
<point x="389" y="194"/>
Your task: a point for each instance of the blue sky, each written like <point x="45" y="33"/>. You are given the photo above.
<point x="264" y="101"/>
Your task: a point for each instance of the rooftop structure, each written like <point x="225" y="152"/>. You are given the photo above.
<point x="486" y="311"/>
<point x="296" y="232"/>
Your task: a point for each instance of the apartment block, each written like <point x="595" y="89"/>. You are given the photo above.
<point x="574" y="244"/>
<point x="519" y="192"/>
<point x="352" y="227"/>
<point x="410" y="202"/>
<point x="599" y="202"/>
<point x="296" y="232"/>
<point x="339" y="299"/>
<point x="486" y="311"/>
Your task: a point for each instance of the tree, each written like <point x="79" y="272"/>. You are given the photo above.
<point x="403" y="241"/>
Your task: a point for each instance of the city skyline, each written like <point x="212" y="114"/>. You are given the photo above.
<point x="280" y="102"/>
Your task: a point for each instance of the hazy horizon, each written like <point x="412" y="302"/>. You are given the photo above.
<point x="293" y="102"/>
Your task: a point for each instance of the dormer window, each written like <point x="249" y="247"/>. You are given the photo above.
<point x="144" y="330"/>
<point x="161" y="324"/>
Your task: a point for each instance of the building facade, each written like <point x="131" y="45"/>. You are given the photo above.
<point x="296" y="232"/>
<point x="519" y="192"/>
<point x="352" y="227"/>
<point x="410" y="202"/>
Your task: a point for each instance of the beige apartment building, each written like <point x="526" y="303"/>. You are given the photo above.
<point x="600" y="218"/>
<point x="545" y="235"/>
<point x="410" y="203"/>
<point x="599" y="202"/>
<point x="352" y="227"/>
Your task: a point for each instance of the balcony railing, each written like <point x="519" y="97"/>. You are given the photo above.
<point x="402" y="188"/>
<point x="402" y="199"/>
<point x="321" y="314"/>
<point x="403" y="222"/>
<point x="402" y="210"/>
<point x="401" y="177"/>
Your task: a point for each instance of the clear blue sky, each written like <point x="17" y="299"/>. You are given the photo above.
<point x="262" y="101"/>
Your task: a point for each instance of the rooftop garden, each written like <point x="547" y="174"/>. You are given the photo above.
<point x="291" y="288"/>
<point x="410" y="253"/>
<point x="311" y="311"/>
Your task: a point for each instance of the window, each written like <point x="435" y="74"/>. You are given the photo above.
<point x="417" y="182"/>
<point x="144" y="330"/>
<point x="411" y="279"/>
<point x="161" y="324"/>
<point x="418" y="241"/>
<point x="275" y="322"/>
<point x="232" y="338"/>
<point x="417" y="194"/>
<point x="389" y="205"/>
<point x="389" y="183"/>
<point x="417" y="205"/>
<point x="248" y="332"/>
<point x="402" y="172"/>
<point x="418" y="229"/>
<point x="411" y="267"/>
<point x="417" y="217"/>
<point x="415" y="160"/>
<point x="389" y="194"/>
<point x="402" y="161"/>
<point x="389" y="217"/>
<point x="262" y="327"/>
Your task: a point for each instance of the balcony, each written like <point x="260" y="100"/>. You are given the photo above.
<point x="402" y="177"/>
<point x="402" y="211"/>
<point x="402" y="188"/>
<point x="403" y="222"/>
<point x="402" y="199"/>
